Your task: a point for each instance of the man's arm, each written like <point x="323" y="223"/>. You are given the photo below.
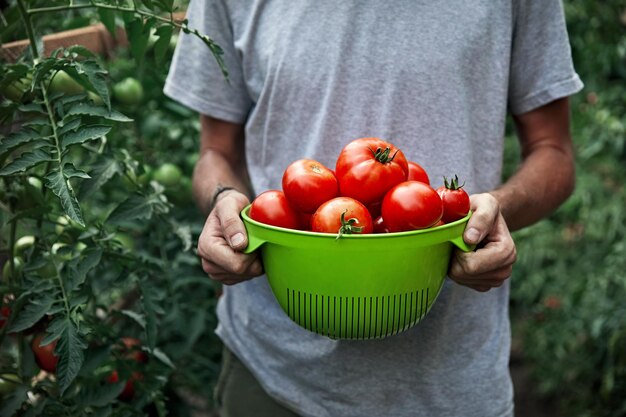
<point x="222" y="161"/>
<point x="546" y="176"/>
<point x="222" y="164"/>
<point x="543" y="181"/>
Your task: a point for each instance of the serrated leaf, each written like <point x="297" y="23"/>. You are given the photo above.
<point x="18" y="138"/>
<point x="90" y="258"/>
<point x="32" y="108"/>
<point x="38" y="307"/>
<point x="107" y="17"/>
<point x="25" y="161"/>
<point x="69" y="126"/>
<point x="69" y="348"/>
<point x="150" y="303"/>
<point x="97" y="111"/>
<point x="70" y="171"/>
<point x="58" y="184"/>
<point x="101" y="395"/>
<point x="96" y="79"/>
<point x="101" y="173"/>
<point x="85" y="133"/>
<point x="162" y="44"/>
<point x="134" y="207"/>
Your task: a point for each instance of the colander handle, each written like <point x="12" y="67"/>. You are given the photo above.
<point x="460" y="243"/>
<point x="253" y="243"/>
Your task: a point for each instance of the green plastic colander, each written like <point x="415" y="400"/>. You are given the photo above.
<point x="357" y="286"/>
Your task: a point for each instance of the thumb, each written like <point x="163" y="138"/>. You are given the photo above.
<point x="227" y="212"/>
<point x="485" y="213"/>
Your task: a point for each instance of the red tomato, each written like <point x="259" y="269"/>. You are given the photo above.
<point x="271" y="207"/>
<point x="44" y="355"/>
<point x="375" y="208"/>
<point x="128" y="392"/>
<point x="342" y="215"/>
<point x="305" y="220"/>
<point x="368" y="167"/>
<point x="456" y="202"/>
<point x="307" y="184"/>
<point x="5" y="312"/>
<point x="380" y="226"/>
<point x="417" y="173"/>
<point x="133" y="347"/>
<point x="411" y="205"/>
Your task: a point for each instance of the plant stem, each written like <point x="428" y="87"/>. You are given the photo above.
<point x="106" y="6"/>
<point x="24" y="13"/>
<point x="13" y="232"/>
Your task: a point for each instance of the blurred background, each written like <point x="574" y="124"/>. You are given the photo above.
<point x="568" y="288"/>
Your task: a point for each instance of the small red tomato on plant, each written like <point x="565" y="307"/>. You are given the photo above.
<point x="368" y="167"/>
<point x="5" y="312"/>
<point x="271" y="207"/>
<point x="456" y="202"/>
<point x="417" y="173"/>
<point x="342" y="215"/>
<point x="44" y="355"/>
<point x="307" y="184"/>
<point x="128" y="392"/>
<point x="132" y="347"/>
<point x="411" y="205"/>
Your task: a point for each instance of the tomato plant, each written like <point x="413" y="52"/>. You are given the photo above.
<point x="368" y="167"/>
<point x="411" y="205"/>
<point x="342" y="215"/>
<point x="8" y="383"/>
<point x="417" y="173"/>
<point x="271" y="207"/>
<point x="129" y="91"/>
<point x="456" y="202"/>
<point x="307" y="184"/>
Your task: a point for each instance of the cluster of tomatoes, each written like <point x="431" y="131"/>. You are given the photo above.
<point x="373" y="189"/>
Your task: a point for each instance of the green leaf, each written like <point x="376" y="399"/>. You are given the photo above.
<point x="97" y="111"/>
<point x="32" y="107"/>
<point x="101" y="173"/>
<point x="138" y="318"/>
<point x="96" y="79"/>
<point x="162" y="44"/>
<point x="70" y="171"/>
<point x="150" y="301"/>
<point x="18" y="138"/>
<point x="85" y="133"/>
<point x="38" y="307"/>
<point x="134" y="207"/>
<point x="89" y="259"/>
<point x="138" y="35"/>
<point x="69" y="348"/>
<point x="107" y="17"/>
<point x="101" y="395"/>
<point x="57" y="182"/>
<point x="25" y="161"/>
<point x="160" y="355"/>
<point x="12" y="402"/>
<point x="80" y="50"/>
<point x="69" y="126"/>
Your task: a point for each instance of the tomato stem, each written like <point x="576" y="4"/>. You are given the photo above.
<point x="382" y="156"/>
<point x="348" y="226"/>
<point x="453" y="183"/>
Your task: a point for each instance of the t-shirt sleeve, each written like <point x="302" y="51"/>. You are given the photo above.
<point x="541" y="59"/>
<point x="195" y="79"/>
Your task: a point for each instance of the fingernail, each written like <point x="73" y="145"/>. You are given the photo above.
<point x="472" y="235"/>
<point x="236" y="240"/>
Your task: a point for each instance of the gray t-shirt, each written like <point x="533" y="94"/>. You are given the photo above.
<point x="435" y="78"/>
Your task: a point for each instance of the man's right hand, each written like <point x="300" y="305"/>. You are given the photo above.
<point x="222" y="240"/>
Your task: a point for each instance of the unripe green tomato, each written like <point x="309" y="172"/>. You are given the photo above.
<point x="8" y="383"/>
<point x="48" y="270"/>
<point x="62" y="82"/>
<point x="129" y="91"/>
<point x="144" y="178"/>
<point x="18" y="265"/>
<point x="182" y="194"/>
<point x="23" y="244"/>
<point x="18" y="90"/>
<point x="65" y="223"/>
<point x="31" y="196"/>
<point x="168" y="175"/>
<point x="61" y="255"/>
<point x="96" y="99"/>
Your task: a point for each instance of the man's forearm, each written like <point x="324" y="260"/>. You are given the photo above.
<point x="543" y="182"/>
<point x="213" y="171"/>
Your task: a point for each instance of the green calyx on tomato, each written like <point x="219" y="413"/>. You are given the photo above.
<point x="382" y="156"/>
<point x="453" y="183"/>
<point x="15" y="272"/>
<point x="349" y="226"/>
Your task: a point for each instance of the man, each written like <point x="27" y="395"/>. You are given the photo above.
<point x="436" y="79"/>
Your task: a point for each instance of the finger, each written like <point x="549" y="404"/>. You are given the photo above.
<point x="227" y="212"/>
<point x="237" y="266"/>
<point x="498" y="251"/>
<point x="485" y="209"/>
